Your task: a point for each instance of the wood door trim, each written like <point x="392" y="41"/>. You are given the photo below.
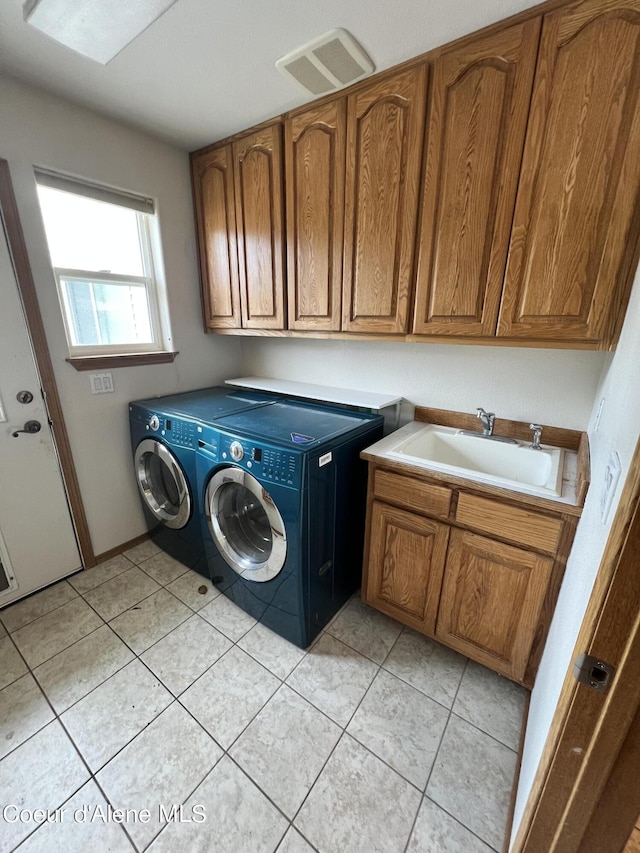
<point x="619" y="803"/>
<point x="609" y="629"/>
<point x="24" y="278"/>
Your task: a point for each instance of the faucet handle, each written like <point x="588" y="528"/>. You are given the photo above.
<point x="480" y="413"/>
<point x="537" y="434"/>
<point x="487" y="419"/>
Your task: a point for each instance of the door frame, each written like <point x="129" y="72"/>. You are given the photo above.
<point x="26" y="287"/>
<point x="585" y="764"/>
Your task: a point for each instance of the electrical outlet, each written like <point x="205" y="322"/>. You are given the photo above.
<point x="598" y="414"/>
<point x="611" y="477"/>
<point x="101" y="383"/>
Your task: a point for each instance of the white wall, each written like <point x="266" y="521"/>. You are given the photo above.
<point x="555" y="387"/>
<point x="618" y="431"/>
<point x="39" y="129"/>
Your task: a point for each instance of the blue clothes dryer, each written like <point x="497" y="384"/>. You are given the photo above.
<point x="164" y="437"/>
<point x="283" y="493"/>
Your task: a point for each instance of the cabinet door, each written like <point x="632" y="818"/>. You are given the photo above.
<point x="385" y="131"/>
<point x="257" y="161"/>
<point x="480" y="96"/>
<point x="406" y="561"/>
<point x="574" y="223"/>
<point x="492" y="595"/>
<point x="314" y="169"/>
<point x="212" y="174"/>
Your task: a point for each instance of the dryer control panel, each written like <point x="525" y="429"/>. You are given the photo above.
<point x="279" y="466"/>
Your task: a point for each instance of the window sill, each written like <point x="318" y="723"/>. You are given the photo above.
<point x="135" y="359"/>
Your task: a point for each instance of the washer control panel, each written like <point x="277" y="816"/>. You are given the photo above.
<point x="267" y="463"/>
<point x="181" y="433"/>
<point x="175" y="431"/>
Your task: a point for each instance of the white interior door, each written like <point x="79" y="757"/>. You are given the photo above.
<point x="37" y="539"/>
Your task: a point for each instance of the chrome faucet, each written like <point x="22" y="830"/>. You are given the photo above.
<point x="537" y="433"/>
<point x="487" y="419"/>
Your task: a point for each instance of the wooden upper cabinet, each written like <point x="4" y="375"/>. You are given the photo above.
<point x="257" y="161"/>
<point x="492" y="595"/>
<point x="575" y="219"/>
<point x="314" y="178"/>
<point x="385" y="131"/>
<point x="480" y="95"/>
<point x="212" y="174"/>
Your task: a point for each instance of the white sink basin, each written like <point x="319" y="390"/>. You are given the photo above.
<point x="515" y="466"/>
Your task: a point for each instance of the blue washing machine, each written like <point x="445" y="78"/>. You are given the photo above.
<point x="164" y="438"/>
<point x="283" y="496"/>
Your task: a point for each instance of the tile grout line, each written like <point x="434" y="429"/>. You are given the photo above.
<point x="92" y="776"/>
<point x="460" y="823"/>
<point x="42" y="615"/>
<point x="343" y="733"/>
<point x="444" y="731"/>
<point x="453" y="714"/>
<point x="126" y="569"/>
<point x="435" y="758"/>
<point x="130" y="607"/>
<point x="484" y="732"/>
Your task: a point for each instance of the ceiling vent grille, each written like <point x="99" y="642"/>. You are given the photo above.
<point x="326" y="63"/>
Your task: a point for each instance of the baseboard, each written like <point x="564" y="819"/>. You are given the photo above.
<point x="113" y="552"/>
<point x="516" y="778"/>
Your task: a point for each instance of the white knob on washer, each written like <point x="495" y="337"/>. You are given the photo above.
<point x="236" y="450"/>
<point x="154" y="422"/>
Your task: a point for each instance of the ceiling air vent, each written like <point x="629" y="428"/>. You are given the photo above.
<point x="326" y="63"/>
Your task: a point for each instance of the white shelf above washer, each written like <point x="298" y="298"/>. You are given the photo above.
<point x="326" y="393"/>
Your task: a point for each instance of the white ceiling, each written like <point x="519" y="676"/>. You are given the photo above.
<point x="205" y="69"/>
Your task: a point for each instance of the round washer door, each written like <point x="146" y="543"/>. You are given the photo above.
<point x="162" y="483"/>
<point x="246" y="525"/>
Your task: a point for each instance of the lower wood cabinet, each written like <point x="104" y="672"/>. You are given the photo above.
<point x="491" y="599"/>
<point x="477" y="573"/>
<point x="406" y="563"/>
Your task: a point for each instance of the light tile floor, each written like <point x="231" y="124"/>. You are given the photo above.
<point x="136" y="686"/>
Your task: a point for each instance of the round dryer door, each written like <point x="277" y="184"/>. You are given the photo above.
<point x="162" y="483"/>
<point x="246" y="525"/>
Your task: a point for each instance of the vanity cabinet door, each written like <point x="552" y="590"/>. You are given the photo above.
<point x="406" y="561"/>
<point x="385" y="132"/>
<point x="314" y="169"/>
<point x="479" y="105"/>
<point x="212" y="175"/>
<point x="576" y="218"/>
<point x="257" y="161"/>
<point x="492" y="595"/>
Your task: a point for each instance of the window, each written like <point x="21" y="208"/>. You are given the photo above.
<point x="100" y="246"/>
